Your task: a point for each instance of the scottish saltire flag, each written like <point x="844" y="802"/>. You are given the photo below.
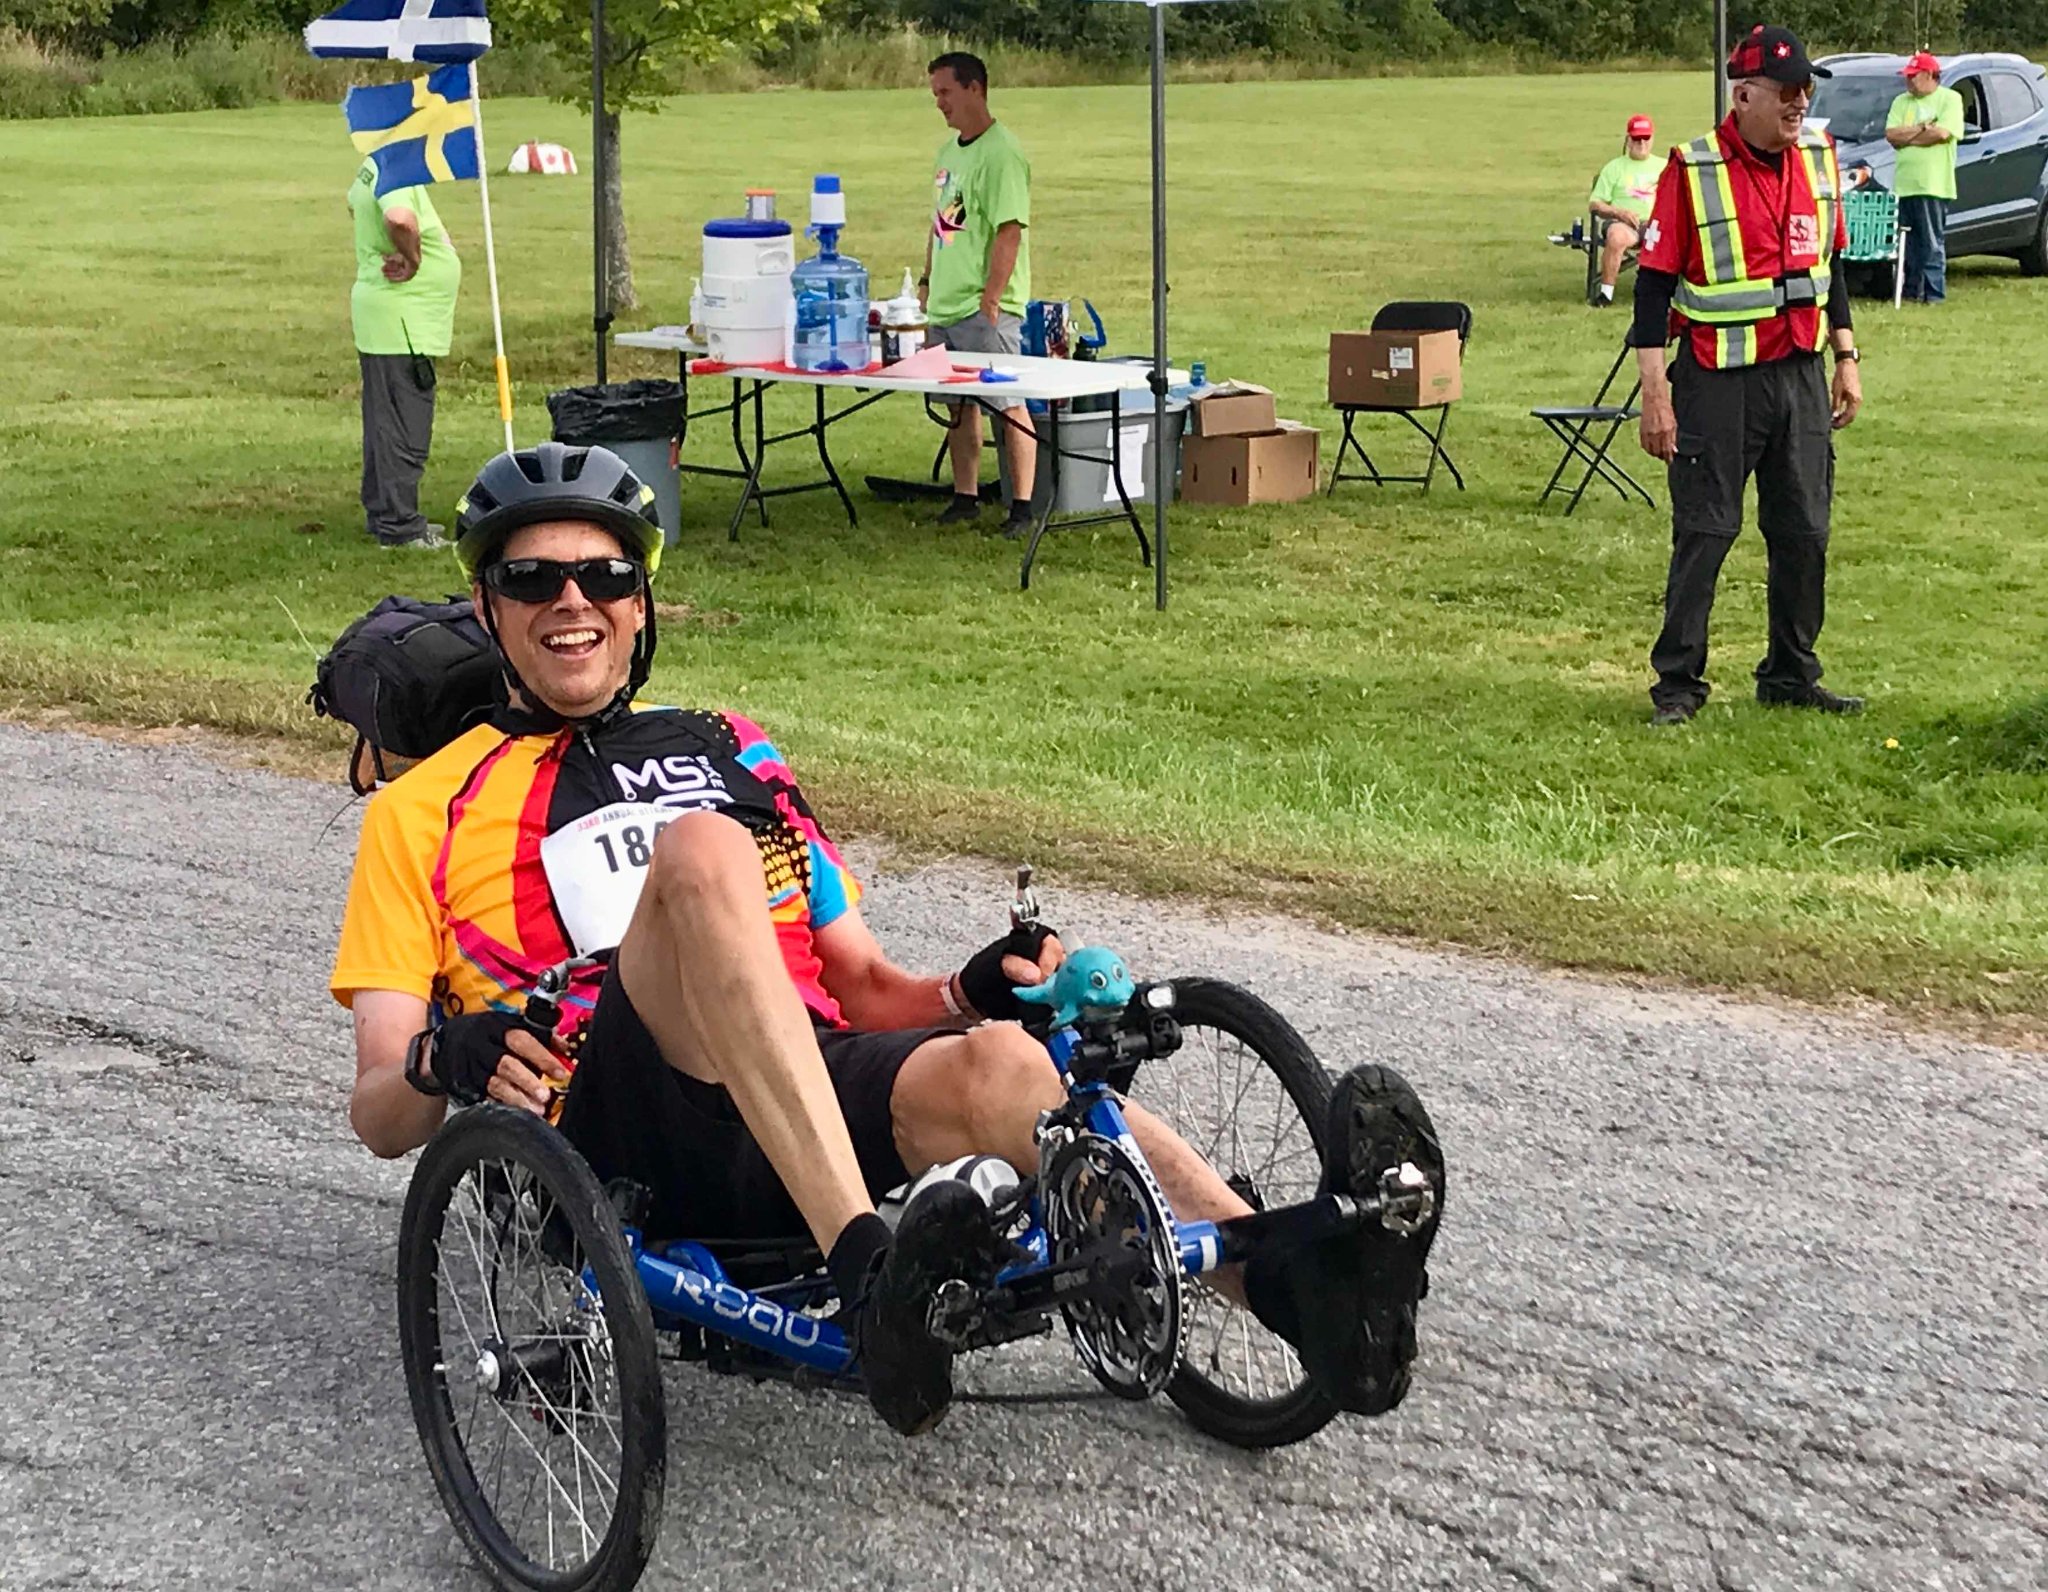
<point x="416" y="132"/>
<point x="403" y="30"/>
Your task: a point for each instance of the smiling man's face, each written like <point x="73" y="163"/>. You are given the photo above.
<point x="572" y="653"/>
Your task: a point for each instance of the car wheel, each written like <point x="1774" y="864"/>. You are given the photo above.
<point x="2034" y="257"/>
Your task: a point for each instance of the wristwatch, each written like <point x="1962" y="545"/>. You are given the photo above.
<point x="417" y="1073"/>
<point x="1849" y="354"/>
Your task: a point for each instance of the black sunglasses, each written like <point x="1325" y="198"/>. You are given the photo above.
<point x="540" y="580"/>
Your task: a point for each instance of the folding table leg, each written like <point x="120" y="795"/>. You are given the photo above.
<point x="818" y="431"/>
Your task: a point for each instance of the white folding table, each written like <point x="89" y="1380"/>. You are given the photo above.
<point x="1053" y="382"/>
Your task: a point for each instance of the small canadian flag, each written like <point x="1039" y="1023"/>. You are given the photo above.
<point x="545" y="160"/>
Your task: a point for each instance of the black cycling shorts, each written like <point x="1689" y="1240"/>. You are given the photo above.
<point x="631" y="1115"/>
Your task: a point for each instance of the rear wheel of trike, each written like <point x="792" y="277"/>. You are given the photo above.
<point x="1246" y="1092"/>
<point x="529" y="1355"/>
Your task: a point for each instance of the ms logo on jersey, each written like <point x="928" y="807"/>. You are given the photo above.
<point x="677" y="781"/>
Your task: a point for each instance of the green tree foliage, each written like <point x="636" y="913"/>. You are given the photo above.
<point x="642" y="39"/>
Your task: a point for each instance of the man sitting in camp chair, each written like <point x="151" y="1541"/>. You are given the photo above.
<point x="1620" y="207"/>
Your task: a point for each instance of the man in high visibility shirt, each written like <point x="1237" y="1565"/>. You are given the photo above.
<point x="1735" y="265"/>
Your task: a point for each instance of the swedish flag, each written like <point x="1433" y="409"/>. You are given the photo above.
<point x="417" y="132"/>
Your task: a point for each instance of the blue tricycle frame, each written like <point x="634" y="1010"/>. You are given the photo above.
<point x="1098" y="1240"/>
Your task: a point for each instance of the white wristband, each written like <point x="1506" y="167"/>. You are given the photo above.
<point x="946" y="995"/>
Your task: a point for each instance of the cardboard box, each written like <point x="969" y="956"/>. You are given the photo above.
<point x="1278" y="466"/>
<point x="1395" y="370"/>
<point x="1235" y="409"/>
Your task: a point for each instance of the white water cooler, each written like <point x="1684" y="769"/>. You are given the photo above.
<point x="743" y="305"/>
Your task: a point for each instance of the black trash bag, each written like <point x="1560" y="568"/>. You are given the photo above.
<point x="619" y="411"/>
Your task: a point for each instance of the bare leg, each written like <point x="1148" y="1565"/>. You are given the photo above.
<point x="963" y="446"/>
<point x="1620" y="239"/>
<point x="981" y="1093"/>
<point x="728" y="1014"/>
<point x="1020" y="444"/>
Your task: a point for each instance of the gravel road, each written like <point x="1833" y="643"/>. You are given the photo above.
<point x="1728" y="1296"/>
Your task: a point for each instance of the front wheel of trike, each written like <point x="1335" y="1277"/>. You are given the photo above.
<point x="529" y="1355"/>
<point x="1246" y="1091"/>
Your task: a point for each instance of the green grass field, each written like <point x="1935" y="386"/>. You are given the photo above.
<point x="1424" y="714"/>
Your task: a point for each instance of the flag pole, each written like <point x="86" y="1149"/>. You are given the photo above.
<point x="483" y="177"/>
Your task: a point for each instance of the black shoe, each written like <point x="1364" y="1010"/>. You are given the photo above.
<point x="1809" y="696"/>
<point x="945" y="1234"/>
<point x="1670" y="713"/>
<point x="1348" y="1304"/>
<point x="1018" y="521"/>
<point x="961" y="511"/>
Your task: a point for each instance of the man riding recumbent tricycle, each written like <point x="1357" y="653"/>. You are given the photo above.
<point x="624" y="938"/>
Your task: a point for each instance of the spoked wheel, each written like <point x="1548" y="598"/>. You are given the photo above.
<point x="529" y="1354"/>
<point x="1246" y="1092"/>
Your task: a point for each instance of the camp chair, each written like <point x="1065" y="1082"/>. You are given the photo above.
<point x="1591" y="240"/>
<point x="1871" y="216"/>
<point x="1439" y="315"/>
<point x="1588" y="431"/>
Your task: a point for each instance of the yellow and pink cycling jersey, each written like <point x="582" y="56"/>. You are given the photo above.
<point x="505" y="853"/>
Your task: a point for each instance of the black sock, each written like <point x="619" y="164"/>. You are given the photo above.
<point x="854" y="1252"/>
<point x="1020" y="509"/>
<point x="966" y="500"/>
<point x="1266" y="1291"/>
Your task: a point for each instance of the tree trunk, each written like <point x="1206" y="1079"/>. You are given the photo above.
<point x="617" y="256"/>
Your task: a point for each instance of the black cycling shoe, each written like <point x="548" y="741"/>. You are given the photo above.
<point x="945" y="1233"/>
<point x="1348" y="1304"/>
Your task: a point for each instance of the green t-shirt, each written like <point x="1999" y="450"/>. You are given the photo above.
<point x="418" y="316"/>
<point x="978" y="187"/>
<point x="1927" y="170"/>
<point x="1629" y="184"/>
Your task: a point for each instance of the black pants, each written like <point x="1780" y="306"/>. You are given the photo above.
<point x="1770" y="421"/>
<point x="398" y="425"/>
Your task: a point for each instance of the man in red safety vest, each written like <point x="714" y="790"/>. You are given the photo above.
<point x="1736" y="264"/>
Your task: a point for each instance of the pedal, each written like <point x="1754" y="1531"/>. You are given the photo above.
<point x="1407" y="1201"/>
<point x="954" y="1313"/>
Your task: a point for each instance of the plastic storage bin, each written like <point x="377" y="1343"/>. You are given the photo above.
<point x="1085" y="486"/>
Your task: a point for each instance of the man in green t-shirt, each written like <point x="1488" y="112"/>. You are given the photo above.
<point x="977" y="274"/>
<point x="1622" y="196"/>
<point x="1923" y="126"/>
<point x="403" y="307"/>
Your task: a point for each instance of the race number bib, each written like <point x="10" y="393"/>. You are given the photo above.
<point x="595" y="869"/>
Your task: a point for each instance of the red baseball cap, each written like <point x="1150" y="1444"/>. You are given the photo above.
<point x="1922" y="62"/>
<point x="1641" y="127"/>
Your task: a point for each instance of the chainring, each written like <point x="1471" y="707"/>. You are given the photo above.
<point x="1095" y="1192"/>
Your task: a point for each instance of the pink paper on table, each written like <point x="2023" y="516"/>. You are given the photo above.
<point x="931" y="363"/>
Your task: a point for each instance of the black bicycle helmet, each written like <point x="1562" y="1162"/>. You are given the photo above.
<point x="555" y="481"/>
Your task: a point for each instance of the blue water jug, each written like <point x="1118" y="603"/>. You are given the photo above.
<point x="831" y="308"/>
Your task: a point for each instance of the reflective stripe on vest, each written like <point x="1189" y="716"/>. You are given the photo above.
<point x="1730" y="300"/>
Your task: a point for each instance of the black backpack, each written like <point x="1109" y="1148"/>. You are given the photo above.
<point x="409" y="676"/>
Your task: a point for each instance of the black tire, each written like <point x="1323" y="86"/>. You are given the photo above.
<point x="523" y="1218"/>
<point x="2034" y="257"/>
<point x="1247" y="1093"/>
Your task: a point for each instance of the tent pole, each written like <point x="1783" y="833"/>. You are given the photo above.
<point x="1162" y="463"/>
<point x="600" y="292"/>
<point x="1720" y="60"/>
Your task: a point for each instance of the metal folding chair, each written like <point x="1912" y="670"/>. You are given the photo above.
<point x="1588" y="431"/>
<point x="1442" y="315"/>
